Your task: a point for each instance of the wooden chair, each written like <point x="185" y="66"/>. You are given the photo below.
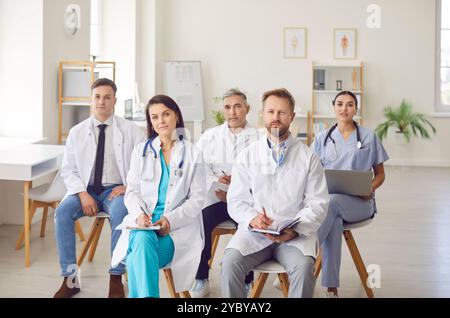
<point x="264" y="269"/>
<point x="171" y="284"/>
<point x="227" y="227"/>
<point x="356" y="256"/>
<point x="47" y="196"/>
<point x="93" y="238"/>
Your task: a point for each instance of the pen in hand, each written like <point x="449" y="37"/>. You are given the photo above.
<point x="146" y="214"/>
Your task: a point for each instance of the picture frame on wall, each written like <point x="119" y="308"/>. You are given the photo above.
<point x="345" y="42"/>
<point x="295" y="42"/>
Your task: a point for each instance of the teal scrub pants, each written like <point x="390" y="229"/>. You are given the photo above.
<point x="147" y="253"/>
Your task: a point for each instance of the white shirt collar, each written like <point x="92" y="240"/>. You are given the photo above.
<point x="97" y="122"/>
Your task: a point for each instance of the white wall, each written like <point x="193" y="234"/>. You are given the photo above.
<point x="33" y="41"/>
<point x="21" y="87"/>
<point x="119" y="45"/>
<point x="59" y="46"/>
<point x="145" y="48"/>
<point x="240" y="44"/>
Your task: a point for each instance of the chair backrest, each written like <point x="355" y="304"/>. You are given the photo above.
<point x="57" y="189"/>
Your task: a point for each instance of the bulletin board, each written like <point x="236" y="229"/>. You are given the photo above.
<point x="183" y="82"/>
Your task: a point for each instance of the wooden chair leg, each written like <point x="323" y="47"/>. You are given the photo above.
<point x="186" y="294"/>
<point x="284" y="283"/>
<point x="359" y="263"/>
<point x="87" y="244"/>
<point x="79" y="231"/>
<point x="318" y="265"/>
<point x="44" y="221"/>
<point x="96" y="238"/>
<point x="259" y="285"/>
<point x="19" y="241"/>
<point x="215" y="242"/>
<point x="170" y="283"/>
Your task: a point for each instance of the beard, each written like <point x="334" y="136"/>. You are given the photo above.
<point x="277" y="131"/>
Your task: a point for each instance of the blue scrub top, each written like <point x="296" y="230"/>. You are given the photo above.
<point x="162" y="189"/>
<point x="344" y="155"/>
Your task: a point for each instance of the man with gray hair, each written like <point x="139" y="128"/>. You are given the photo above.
<point x="220" y="146"/>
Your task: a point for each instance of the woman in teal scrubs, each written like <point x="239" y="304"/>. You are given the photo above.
<point x="165" y="186"/>
<point x="346" y="146"/>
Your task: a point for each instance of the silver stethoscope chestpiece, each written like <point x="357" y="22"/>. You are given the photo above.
<point x="178" y="172"/>
<point x="359" y="145"/>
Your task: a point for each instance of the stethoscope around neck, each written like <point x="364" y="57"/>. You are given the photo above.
<point x="328" y="136"/>
<point x="178" y="171"/>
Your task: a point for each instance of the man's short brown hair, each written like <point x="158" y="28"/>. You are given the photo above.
<point x="104" y="82"/>
<point x="281" y="93"/>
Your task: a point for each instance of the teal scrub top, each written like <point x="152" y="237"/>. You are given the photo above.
<point x="162" y="189"/>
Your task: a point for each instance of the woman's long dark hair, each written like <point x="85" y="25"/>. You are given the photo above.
<point x="169" y="103"/>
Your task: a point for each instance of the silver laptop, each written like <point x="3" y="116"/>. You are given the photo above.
<point x="350" y="182"/>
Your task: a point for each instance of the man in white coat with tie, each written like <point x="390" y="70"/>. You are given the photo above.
<point x="95" y="166"/>
<point x="275" y="180"/>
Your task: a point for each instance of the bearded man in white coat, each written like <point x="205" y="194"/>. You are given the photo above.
<point x="95" y="166"/>
<point x="275" y="181"/>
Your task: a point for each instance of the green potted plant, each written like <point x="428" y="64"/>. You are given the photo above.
<point x="407" y="123"/>
<point x="218" y="116"/>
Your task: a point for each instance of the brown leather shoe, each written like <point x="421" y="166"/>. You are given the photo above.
<point x="65" y="291"/>
<point x="116" y="287"/>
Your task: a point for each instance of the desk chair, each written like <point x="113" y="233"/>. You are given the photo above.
<point x="45" y="196"/>
<point x="94" y="236"/>
<point x="227" y="227"/>
<point x="356" y="256"/>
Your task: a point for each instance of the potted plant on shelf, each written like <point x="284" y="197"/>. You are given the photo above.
<point x="406" y="122"/>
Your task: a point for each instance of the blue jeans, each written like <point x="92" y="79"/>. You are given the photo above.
<point x="69" y="211"/>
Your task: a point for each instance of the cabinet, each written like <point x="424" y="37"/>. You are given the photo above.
<point x="74" y="91"/>
<point x="328" y="80"/>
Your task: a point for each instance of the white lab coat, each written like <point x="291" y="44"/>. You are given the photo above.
<point x="81" y="148"/>
<point x="220" y="148"/>
<point x="296" y="188"/>
<point x="184" y="202"/>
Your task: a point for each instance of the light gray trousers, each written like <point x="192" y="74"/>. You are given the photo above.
<point x="342" y="209"/>
<point x="300" y="270"/>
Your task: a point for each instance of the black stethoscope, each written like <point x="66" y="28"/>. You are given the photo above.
<point x="178" y="172"/>
<point x="358" y="136"/>
<point x="328" y="136"/>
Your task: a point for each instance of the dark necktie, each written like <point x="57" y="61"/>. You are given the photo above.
<point x="99" y="158"/>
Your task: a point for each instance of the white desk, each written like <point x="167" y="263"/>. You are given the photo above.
<point x="27" y="163"/>
<point x="13" y="142"/>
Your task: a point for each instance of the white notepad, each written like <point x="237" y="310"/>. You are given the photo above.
<point x="279" y="228"/>
<point x="219" y="186"/>
<point x="138" y="228"/>
<point x="150" y="228"/>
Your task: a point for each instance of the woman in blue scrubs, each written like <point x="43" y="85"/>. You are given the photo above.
<point x="165" y="188"/>
<point x="346" y="146"/>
